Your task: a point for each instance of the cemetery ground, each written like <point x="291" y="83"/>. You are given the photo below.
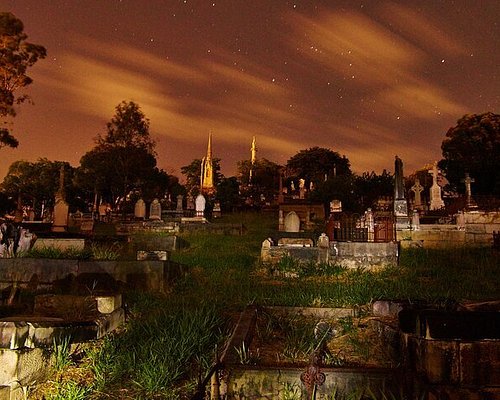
<point x="170" y="340"/>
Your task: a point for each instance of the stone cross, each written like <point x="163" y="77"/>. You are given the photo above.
<point x="417" y="188"/>
<point x="436" y="200"/>
<point x="468" y="192"/>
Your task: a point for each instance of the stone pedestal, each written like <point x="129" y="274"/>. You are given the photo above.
<point x="401" y="214"/>
<point x="61" y="210"/>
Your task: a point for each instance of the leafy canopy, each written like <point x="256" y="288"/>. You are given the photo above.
<point x="123" y="159"/>
<point x="16" y="56"/>
<point x="473" y="146"/>
<point x="316" y="163"/>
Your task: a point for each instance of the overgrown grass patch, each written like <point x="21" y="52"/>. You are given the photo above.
<point x="170" y="340"/>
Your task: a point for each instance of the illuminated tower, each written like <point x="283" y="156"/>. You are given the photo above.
<point x="207" y="175"/>
<point x="253" y="157"/>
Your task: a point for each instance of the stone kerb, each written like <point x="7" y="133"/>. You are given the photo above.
<point x="147" y="275"/>
<point x="348" y="254"/>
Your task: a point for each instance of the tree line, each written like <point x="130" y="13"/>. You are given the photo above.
<point x="122" y="165"/>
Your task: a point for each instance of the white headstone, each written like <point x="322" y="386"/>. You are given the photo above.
<point x="155" y="210"/>
<point x="200" y="204"/>
<point x="292" y="222"/>
<point x="140" y="209"/>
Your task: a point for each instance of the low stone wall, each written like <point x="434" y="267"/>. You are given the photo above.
<point x="128" y="228"/>
<point x="60" y="243"/>
<point x="152" y="242"/>
<point x="475" y="229"/>
<point x="348" y="254"/>
<point x="144" y="275"/>
<point x="364" y="254"/>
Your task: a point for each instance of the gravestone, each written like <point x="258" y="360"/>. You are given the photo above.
<point x="415" y="220"/>
<point x="87" y="226"/>
<point x="140" y="209"/>
<point x="179" y="203"/>
<point x="417" y="189"/>
<point x="302" y="188"/>
<point x="292" y="222"/>
<point x="155" y="210"/>
<point x="400" y="204"/>
<point x="216" y="212"/>
<point x="469" y="201"/>
<point x="436" y="201"/>
<point x="61" y="208"/>
<point x="370" y="224"/>
<point x="323" y="241"/>
<point x="200" y="204"/>
<point x="190" y="202"/>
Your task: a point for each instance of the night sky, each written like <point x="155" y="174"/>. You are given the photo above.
<point x="367" y="79"/>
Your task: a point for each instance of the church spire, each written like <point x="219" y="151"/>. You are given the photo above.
<point x="253" y="158"/>
<point x="207" y="177"/>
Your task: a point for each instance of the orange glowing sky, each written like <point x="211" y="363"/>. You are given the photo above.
<point x="367" y="79"/>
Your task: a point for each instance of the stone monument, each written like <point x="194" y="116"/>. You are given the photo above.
<point x="190" y="202"/>
<point x="415" y="220"/>
<point x="292" y="222"/>
<point x="200" y="204"/>
<point x="400" y="204"/>
<point x="302" y="188"/>
<point x="216" y="212"/>
<point x="140" y="209"/>
<point x="436" y="201"/>
<point x="155" y="210"/>
<point x="469" y="201"/>
<point x="370" y="224"/>
<point x="179" y="207"/>
<point x="417" y="189"/>
<point x="61" y="208"/>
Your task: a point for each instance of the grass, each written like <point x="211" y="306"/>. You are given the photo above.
<point x="62" y="353"/>
<point x="101" y="252"/>
<point x="170" y="340"/>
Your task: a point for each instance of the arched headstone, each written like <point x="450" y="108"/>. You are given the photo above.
<point x="292" y="222"/>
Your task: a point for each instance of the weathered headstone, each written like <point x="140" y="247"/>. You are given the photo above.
<point x="200" y="204"/>
<point x="469" y="201"/>
<point x="435" y="193"/>
<point x="179" y="207"/>
<point x="216" y="212"/>
<point x="140" y="209"/>
<point x="415" y="220"/>
<point x="417" y="189"/>
<point x="155" y="210"/>
<point x="323" y="241"/>
<point x="400" y="204"/>
<point x="302" y="188"/>
<point x="61" y="208"/>
<point x="335" y="206"/>
<point x="370" y="224"/>
<point x="292" y="222"/>
<point x="190" y="202"/>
